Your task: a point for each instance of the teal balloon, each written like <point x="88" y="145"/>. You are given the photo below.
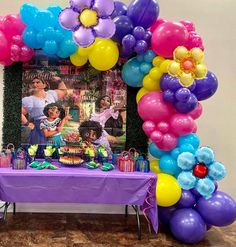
<point x="155" y="151"/>
<point x="68" y="47"/>
<point x="169" y="165"/>
<point x="30" y="38"/>
<point x="131" y="73"/>
<point x="55" y="10"/>
<point x="187" y="147"/>
<point x="192" y="139"/>
<point x="50" y="47"/>
<point x="43" y="19"/>
<point x="49" y="33"/>
<point x="28" y="13"/>
<point x="149" y="56"/>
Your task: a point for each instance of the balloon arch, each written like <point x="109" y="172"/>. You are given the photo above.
<point x="165" y="60"/>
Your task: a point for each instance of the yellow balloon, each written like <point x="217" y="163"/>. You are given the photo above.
<point x="141" y="93"/>
<point x="168" y="191"/>
<point x="104" y="54"/>
<point x="154" y="166"/>
<point x="155" y="73"/>
<point x="165" y="65"/>
<point x="157" y="61"/>
<point x="150" y="85"/>
<point x="88" y="17"/>
<point x="78" y="60"/>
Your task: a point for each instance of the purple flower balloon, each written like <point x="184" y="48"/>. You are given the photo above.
<point x="219" y="210"/>
<point x="85" y="33"/>
<point x="188" y="226"/>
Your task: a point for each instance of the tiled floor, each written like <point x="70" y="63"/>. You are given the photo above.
<point x="73" y="230"/>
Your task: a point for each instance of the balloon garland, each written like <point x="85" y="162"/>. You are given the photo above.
<point x="163" y="58"/>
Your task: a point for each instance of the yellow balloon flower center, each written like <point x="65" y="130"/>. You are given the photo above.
<point x="88" y="18"/>
<point x="187" y="65"/>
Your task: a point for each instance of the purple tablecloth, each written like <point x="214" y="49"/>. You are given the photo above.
<point x="80" y="185"/>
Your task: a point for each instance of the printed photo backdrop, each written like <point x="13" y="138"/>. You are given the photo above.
<point x="81" y="92"/>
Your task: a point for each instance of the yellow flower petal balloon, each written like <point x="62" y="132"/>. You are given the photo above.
<point x="168" y="191"/>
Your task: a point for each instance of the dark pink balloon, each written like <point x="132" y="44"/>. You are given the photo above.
<point x="157" y="24"/>
<point x="4" y="47"/>
<point x="167" y="37"/>
<point x="181" y="124"/>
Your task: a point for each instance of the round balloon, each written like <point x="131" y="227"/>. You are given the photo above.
<point x="188" y="226"/>
<point x="165" y="214"/>
<point x="187" y="200"/>
<point x="143" y="12"/>
<point x="154" y="166"/>
<point x="120" y="9"/>
<point x="168" y="191"/>
<point x="219" y="210"/>
<point x="104" y="54"/>
<point x="124" y="26"/>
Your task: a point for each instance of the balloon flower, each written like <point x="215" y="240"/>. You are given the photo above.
<point x="200" y="171"/>
<point x="187" y="65"/>
<point x="88" y="19"/>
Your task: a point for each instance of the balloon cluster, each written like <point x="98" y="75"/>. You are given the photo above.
<point x="191" y="217"/>
<point x="12" y="47"/>
<point x="132" y="25"/>
<point x="44" y="32"/>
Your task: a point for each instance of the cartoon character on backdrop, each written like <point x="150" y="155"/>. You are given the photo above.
<point x="33" y="106"/>
<point x="110" y="119"/>
<point x="53" y="124"/>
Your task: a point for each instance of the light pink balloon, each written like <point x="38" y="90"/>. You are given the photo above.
<point x="152" y="107"/>
<point x="168" y="142"/>
<point x="148" y="127"/>
<point x="197" y="112"/>
<point x="181" y="124"/>
<point x="167" y="37"/>
<point x="156" y="136"/>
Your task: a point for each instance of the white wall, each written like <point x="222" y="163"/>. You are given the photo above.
<point x="216" y="22"/>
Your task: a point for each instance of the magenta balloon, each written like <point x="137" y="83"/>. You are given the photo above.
<point x="167" y="37"/>
<point x="219" y="210"/>
<point x="152" y="107"/>
<point x="168" y="142"/>
<point x="143" y="12"/>
<point x="149" y="127"/>
<point x="4" y="47"/>
<point x="197" y="112"/>
<point x="181" y="124"/>
<point x="156" y="24"/>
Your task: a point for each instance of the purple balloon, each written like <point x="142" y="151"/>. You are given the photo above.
<point x="141" y="46"/>
<point x="147" y="37"/>
<point x="169" y="82"/>
<point x="139" y="32"/>
<point x="120" y="9"/>
<point x="143" y="12"/>
<point x="187" y="200"/>
<point x="188" y="226"/>
<point x="165" y="214"/>
<point x="185" y="107"/>
<point x="182" y="94"/>
<point x="169" y="96"/>
<point x="196" y="193"/>
<point x="129" y="41"/>
<point x="124" y="26"/>
<point x="206" y="87"/>
<point x="219" y="210"/>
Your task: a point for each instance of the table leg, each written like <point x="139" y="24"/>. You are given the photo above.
<point x="5" y="206"/>
<point x="136" y="209"/>
<point x="14" y="208"/>
<point x="126" y="211"/>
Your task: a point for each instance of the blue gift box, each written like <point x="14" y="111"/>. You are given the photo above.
<point x="142" y="164"/>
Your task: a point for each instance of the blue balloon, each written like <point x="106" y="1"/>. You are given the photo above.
<point x="30" y="38"/>
<point x="28" y="13"/>
<point x="50" y="47"/>
<point x="68" y="47"/>
<point x="43" y="19"/>
<point x="155" y="151"/>
<point x="188" y="226"/>
<point x="168" y="165"/>
<point x="49" y="33"/>
<point x="124" y="26"/>
<point x="191" y="138"/>
<point x="55" y="10"/>
<point x="143" y="12"/>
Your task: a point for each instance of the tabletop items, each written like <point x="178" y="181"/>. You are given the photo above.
<point x="83" y="155"/>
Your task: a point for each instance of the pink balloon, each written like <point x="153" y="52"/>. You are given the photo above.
<point x="167" y="37"/>
<point x="17" y="40"/>
<point x="194" y="40"/>
<point x="148" y="127"/>
<point x="181" y="124"/>
<point x="189" y="25"/>
<point x="168" y="142"/>
<point x="157" y="24"/>
<point x="12" y="25"/>
<point x="163" y="127"/>
<point x="156" y="136"/>
<point x="197" y="112"/>
<point x="26" y="54"/>
<point x="152" y="107"/>
<point x="4" y="47"/>
<point x="15" y="49"/>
